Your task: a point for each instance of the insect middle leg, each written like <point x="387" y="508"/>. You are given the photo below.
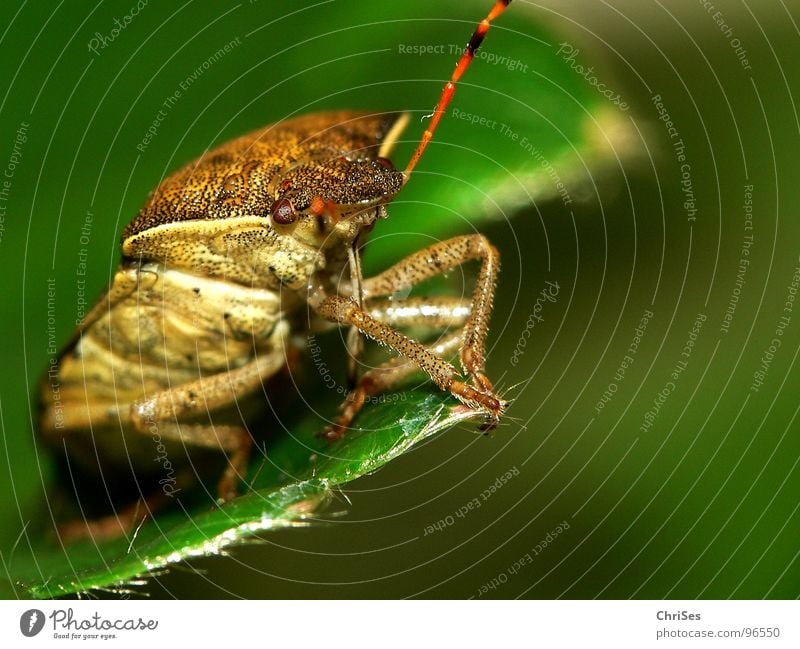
<point x="160" y="412"/>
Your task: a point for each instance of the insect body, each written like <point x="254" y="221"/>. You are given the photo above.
<point x="226" y="259"/>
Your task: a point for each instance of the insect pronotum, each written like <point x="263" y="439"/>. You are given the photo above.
<point x="216" y="269"/>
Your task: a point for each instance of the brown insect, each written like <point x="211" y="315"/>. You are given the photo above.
<point x="223" y="263"/>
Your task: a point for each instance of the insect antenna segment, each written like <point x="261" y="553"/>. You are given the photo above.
<point x="450" y="87"/>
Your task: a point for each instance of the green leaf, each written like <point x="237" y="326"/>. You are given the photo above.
<point x="302" y="475"/>
<point x="528" y="128"/>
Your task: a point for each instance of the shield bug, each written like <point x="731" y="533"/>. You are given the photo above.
<point x="216" y="269"/>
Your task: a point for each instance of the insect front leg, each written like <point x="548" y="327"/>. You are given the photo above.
<point x="427" y="312"/>
<point x="444" y="375"/>
<point x="382" y="379"/>
<point x="437" y="312"/>
<point x="435" y="260"/>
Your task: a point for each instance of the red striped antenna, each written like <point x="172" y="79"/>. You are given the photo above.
<point x="450" y="87"/>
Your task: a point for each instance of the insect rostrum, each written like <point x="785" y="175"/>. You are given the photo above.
<point x="216" y="266"/>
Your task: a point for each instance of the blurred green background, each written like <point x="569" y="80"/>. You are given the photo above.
<point x="691" y="494"/>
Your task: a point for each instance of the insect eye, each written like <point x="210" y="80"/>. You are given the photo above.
<point x="385" y="163"/>
<point x="283" y="212"/>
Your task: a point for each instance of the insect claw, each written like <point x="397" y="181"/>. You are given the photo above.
<point x="333" y="433"/>
<point x="484" y="401"/>
<point x="226" y="490"/>
<point x="489" y="424"/>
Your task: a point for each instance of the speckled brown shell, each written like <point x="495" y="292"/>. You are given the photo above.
<point x="239" y="177"/>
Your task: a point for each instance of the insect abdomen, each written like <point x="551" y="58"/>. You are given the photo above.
<point x="174" y="328"/>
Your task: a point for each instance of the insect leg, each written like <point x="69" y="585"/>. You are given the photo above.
<point x="346" y="311"/>
<point x="199" y="396"/>
<point x="355" y="342"/>
<point x="234" y="440"/>
<point x="435" y="260"/>
<point x="114" y="525"/>
<point x="436" y="312"/>
<point x="382" y="379"/>
<point x="58" y="421"/>
<point x="207" y="393"/>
